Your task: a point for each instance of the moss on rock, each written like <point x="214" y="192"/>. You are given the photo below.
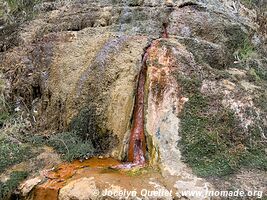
<point x="212" y="140"/>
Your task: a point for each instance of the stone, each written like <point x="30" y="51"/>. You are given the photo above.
<point x="26" y="187"/>
<point x="165" y="102"/>
<point x="82" y="189"/>
<point x="75" y="66"/>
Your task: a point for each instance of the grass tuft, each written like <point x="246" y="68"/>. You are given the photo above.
<point x="71" y="146"/>
<point x="20" y="10"/>
<point x="68" y="144"/>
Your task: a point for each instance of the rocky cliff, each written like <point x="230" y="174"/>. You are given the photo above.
<point x="74" y="67"/>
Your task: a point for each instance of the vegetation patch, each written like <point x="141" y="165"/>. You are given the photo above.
<point x="12" y="152"/>
<point x="246" y="50"/>
<point x="87" y="125"/>
<point x="71" y="146"/>
<point x="3" y="117"/>
<point x="68" y="144"/>
<point x="212" y="142"/>
<point x="20" y="10"/>
<point x="251" y="3"/>
<point x="6" y="188"/>
<point x="261" y="102"/>
<point x="17" y="143"/>
<point x="140" y="171"/>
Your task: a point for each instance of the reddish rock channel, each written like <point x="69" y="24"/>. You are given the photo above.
<point x="66" y="172"/>
<point x="137" y="142"/>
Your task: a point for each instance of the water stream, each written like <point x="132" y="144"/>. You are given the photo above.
<point x="136" y="151"/>
<point x="137" y="141"/>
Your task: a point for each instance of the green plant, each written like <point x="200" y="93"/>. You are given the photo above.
<point x="71" y="146"/>
<point x="212" y="142"/>
<point x="246" y="50"/>
<point x="68" y="144"/>
<point x="252" y="75"/>
<point x="249" y="3"/>
<point x="6" y="188"/>
<point x="4" y="107"/>
<point x="12" y="152"/>
<point x="3" y="117"/>
<point x="20" y="10"/>
<point x="261" y="73"/>
<point x="261" y="101"/>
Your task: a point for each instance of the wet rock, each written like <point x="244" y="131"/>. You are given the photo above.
<point x="114" y="185"/>
<point x="76" y="65"/>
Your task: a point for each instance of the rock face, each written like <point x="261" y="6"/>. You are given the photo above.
<point x="76" y="65"/>
<point x="80" y="73"/>
<point x="165" y="101"/>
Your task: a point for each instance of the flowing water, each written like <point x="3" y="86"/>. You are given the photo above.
<point x="137" y="142"/>
<point x="136" y="151"/>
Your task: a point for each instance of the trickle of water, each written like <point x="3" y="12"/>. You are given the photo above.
<point x="137" y="145"/>
<point x="137" y="142"/>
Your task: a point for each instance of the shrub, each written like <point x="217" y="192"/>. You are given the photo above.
<point x="12" y="153"/>
<point x="20" y="10"/>
<point x="6" y="188"/>
<point x="71" y="146"/>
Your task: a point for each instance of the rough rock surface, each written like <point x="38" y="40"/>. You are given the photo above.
<point x="76" y="65"/>
<point x="81" y="60"/>
<point x="165" y="101"/>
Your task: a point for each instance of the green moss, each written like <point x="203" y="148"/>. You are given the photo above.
<point x="189" y="86"/>
<point x="140" y="171"/>
<point x="6" y="188"/>
<point x="212" y="142"/>
<point x="254" y="158"/>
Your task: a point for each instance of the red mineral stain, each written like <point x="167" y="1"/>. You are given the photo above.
<point x="59" y="177"/>
<point x="137" y="142"/>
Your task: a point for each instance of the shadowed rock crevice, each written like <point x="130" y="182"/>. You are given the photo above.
<point x="88" y="126"/>
<point x="8" y="37"/>
<point x="193" y="4"/>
